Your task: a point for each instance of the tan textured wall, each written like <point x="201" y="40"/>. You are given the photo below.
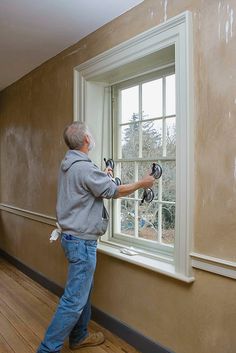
<point x="197" y="318"/>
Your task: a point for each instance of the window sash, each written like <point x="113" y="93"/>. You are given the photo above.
<point x="116" y="107"/>
<point x="151" y="245"/>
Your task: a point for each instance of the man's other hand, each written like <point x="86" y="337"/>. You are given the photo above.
<point x="109" y="171"/>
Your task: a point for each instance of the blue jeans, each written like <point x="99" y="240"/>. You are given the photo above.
<point x="74" y="309"/>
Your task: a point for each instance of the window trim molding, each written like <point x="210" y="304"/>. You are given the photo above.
<point x="177" y="31"/>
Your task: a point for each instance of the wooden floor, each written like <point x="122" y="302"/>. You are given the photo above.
<point x="26" y="309"/>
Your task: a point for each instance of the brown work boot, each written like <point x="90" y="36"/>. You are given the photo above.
<point x="93" y="339"/>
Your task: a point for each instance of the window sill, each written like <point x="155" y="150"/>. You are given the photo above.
<point x="143" y="261"/>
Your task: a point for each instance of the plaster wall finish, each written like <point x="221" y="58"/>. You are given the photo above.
<point x="197" y="318"/>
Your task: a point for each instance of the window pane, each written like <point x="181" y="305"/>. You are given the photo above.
<point x="168" y="223"/>
<point x="170" y="95"/>
<point x="128" y="217"/>
<point x="168" y="181"/>
<point x="129" y="104"/>
<point x="152" y="99"/>
<point x="127" y="172"/>
<point x="145" y="168"/>
<point x="148" y="221"/>
<point x="152" y="138"/>
<point x="130" y="140"/>
<point x="171" y="136"/>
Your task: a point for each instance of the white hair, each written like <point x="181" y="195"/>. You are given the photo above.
<point x="74" y="135"/>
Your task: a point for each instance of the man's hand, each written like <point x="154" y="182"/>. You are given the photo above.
<point x="128" y="189"/>
<point x="147" y="181"/>
<point x="109" y="171"/>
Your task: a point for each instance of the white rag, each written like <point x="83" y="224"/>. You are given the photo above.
<point x="55" y="233"/>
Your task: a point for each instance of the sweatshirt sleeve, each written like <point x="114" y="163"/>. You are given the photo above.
<point x="100" y="184"/>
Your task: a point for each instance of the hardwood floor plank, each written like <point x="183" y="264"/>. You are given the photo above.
<point x="23" y="329"/>
<point x="26" y="309"/>
<point x="23" y="292"/>
<point x="24" y="298"/>
<point x="12" y="337"/>
<point x="35" y="288"/>
<point x="4" y="347"/>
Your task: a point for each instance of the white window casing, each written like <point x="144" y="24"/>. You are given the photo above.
<point x="92" y="93"/>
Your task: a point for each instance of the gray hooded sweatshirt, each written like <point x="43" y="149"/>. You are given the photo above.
<point x="81" y="189"/>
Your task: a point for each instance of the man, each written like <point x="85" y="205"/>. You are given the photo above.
<point x="83" y="218"/>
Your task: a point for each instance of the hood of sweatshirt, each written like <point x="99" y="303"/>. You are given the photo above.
<point x="71" y="157"/>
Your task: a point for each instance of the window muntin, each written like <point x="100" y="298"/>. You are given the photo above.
<point x="145" y="132"/>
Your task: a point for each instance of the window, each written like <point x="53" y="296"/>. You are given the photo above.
<point x="145" y="132"/>
<point x="113" y="93"/>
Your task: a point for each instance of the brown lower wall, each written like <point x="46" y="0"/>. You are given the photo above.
<point x="28" y="241"/>
<point x="187" y="318"/>
<point x="196" y="318"/>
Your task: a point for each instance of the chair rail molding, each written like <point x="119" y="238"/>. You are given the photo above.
<point x="214" y="265"/>
<point x="35" y="216"/>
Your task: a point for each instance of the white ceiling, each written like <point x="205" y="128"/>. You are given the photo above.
<point x="32" y="31"/>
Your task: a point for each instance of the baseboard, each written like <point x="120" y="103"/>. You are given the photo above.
<point x="128" y="334"/>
